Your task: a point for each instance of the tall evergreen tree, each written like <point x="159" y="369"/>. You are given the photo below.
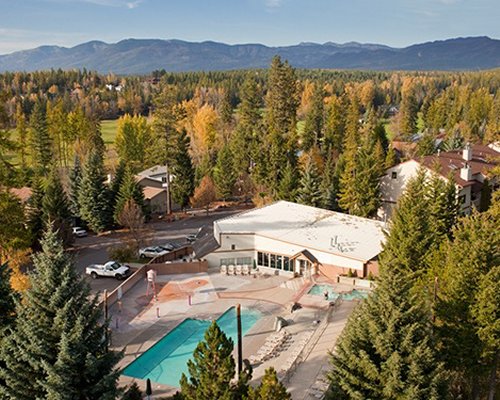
<point x="329" y="185"/>
<point x="465" y="263"/>
<point x="40" y="143"/>
<point x="129" y="190"/>
<point x="334" y="124"/>
<point x="94" y="197"/>
<point x="409" y="241"/>
<point x="75" y="180"/>
<point x="35" y="212"/>
<point x="55" y="349"/>
<point x="117" y="181"/>
<point x="313" y="127"/>
<point x="183" y="172"/>
<point x="386" y="350"/>
<point x="224" y="175"/>
<point x="55" y="208"/>
<point x="212" y="368"/>
<point x="309" y="192"/>
<point x="7" y="308"/>
<point x="287" y="189"/>
<point x="270" y="388"/>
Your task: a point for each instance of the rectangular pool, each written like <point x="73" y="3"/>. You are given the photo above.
<point x="320" y="290"/>
<point x="165" y="361"/>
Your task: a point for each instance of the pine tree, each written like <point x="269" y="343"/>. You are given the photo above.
<point x="129" y="190"/>
<point x="22" y="135"/>
<point x="7" y="309"/>
<point x="408" y="109"/>
<point x="40" y="143"/>
<point x="408" y="243"/>
<point x="182" y="169"/>
<point x="224" y="176"/>
<point x="75" y="180"/>
<point x="309" y="192"/>
<point x="35" y="212"/>
<point x="386" y="350"/>
<point x="212" y="368"/>
<point x="329" y="185"/>
<point x="133" y="392"/>
<point x="13" y="232"/>
<point x="270" y="388"/>
<point x="55" y="208"/>
<point x="287" y="189"/>
<point x="313" y="127"/>
<point x="94" y="197"/>
<point x="56" y="348"/>
<point x="117" y="181"/>
<point x="465" y="263"/>
<point x="334" y="124"/>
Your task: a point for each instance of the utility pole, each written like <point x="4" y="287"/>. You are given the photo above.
<point x="167" y="187"/>
<point x="240" y="342"/>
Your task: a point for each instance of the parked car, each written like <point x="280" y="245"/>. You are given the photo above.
<point x="152" y="251"/>
<point x="79" y="232"/>
<point x="111" y="269"/>
<point x="191" y="238"/>
<point x="169" y="246"/>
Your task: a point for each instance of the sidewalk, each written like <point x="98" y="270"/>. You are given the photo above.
<point x="316" y="363"/>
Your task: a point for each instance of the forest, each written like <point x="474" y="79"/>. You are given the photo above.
<point x="318" y="137"/>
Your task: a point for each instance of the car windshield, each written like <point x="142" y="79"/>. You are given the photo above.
<point x="114" y="265"/>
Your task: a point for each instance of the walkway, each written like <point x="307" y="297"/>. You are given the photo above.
<point x="316" y="363"/>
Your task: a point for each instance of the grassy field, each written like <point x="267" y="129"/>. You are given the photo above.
<point x="108" y="130"/>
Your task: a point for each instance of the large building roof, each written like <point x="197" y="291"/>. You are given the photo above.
<point x="310" y="227"/>
<point x="483" y="160"/>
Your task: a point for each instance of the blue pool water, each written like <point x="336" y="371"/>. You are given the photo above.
<point x="167" y="359"/>
<point x="319" y="290"/>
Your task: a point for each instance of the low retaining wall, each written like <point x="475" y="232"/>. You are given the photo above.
<point x="173" y="255"/>
<point x="180" y="267"/>
<point x="356" y="281"/>
<point x="128" y="284"/>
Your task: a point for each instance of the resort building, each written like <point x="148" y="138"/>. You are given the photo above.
<point x="289" y="238"/>
<point x="469" y="167"/>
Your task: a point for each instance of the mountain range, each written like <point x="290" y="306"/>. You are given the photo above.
<point x="141" y="56"/>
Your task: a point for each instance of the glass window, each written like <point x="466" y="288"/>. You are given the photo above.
<point x="260" y="258"/>
<point x="394" y="175"/>
<point x="286" y="264"/>
<point x="243" y="260"/>
<point x="279" y="262"/>
<point x="266" y="260"/>
<point x="273" y="261"/>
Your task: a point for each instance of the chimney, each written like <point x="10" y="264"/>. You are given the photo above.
<point x="467" y="153"/>
<point x="466" y="172"/>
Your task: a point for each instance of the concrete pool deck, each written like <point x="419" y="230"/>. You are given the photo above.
<point x="138" y="321"/>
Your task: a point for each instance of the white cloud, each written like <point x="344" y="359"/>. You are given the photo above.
<point x="273" y="3"/>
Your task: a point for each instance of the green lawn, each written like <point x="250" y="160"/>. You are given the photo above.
<point x="108" y="130"/>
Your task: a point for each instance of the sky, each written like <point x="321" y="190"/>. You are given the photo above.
<point x="26" y="24"/>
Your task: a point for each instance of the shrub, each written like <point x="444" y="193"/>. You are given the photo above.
<point x="122" y="253"/>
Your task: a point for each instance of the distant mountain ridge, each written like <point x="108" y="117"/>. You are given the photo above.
<point x="141" y="56"/>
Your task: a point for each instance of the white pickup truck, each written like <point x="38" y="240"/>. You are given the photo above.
<point x="111" y="268"/>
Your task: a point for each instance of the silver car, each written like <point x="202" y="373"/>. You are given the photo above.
<point x="152" y="251"/>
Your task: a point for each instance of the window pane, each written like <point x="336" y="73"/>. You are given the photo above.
<point x="266" y="260"/>
<point x="273" y="260"/>
<point x="279" y="262"/>
<point x="260" y="258"/>
<point x="286" y="264"/>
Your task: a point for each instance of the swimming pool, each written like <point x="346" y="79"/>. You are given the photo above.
<point x="167" y="359"/>
<point x="319" y="290"/>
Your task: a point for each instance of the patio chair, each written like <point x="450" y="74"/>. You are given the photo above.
<point x="230" y="270"/>
<point x="223" y="269"/>
<point x="245" y="270"/>
<point x="238" y="270"/>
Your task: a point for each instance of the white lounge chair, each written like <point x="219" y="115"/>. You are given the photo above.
<point x="245" y="270"/>
<point x="238" y="270"/>
<point x="230" y="270"/>
<point x="223" y="269"/>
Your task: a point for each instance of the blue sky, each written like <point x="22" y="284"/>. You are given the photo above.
<point x="29" y="23"/>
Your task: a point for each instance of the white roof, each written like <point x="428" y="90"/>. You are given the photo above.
<point x="156" y="172"/>
<point x="310" y="227"/>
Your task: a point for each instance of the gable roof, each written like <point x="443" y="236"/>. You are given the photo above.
<point x="151" y="192"/>
<point x="483" y="159"/>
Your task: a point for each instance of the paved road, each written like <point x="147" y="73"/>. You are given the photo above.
<point x="94" y="249"/>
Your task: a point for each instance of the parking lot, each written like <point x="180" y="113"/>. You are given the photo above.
<point x="94" y="249"/>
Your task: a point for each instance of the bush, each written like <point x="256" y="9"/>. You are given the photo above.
<point x="370" y="276"/>
<point x="350" y="274"/>
<point x="133" y="393"/>
<point x="122" y="253"/>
